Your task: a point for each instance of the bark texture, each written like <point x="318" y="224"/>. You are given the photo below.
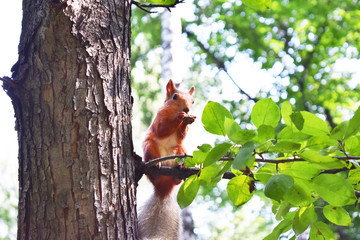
<point x="73" y="109"/>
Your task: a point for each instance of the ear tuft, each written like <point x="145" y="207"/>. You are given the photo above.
<point x="191" y="91"/>
<point x="170" y="88"/>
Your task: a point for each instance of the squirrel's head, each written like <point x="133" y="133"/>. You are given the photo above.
<point x="183" y="101"/>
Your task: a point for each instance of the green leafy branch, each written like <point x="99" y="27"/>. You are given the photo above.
<point x="299" y="166"/>
<point x="156" y="4"/>
<point x="184" y="172"/>
<point x="313" y="163"/>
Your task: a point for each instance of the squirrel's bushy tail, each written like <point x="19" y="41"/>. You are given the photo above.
<point x="159" y="219"/>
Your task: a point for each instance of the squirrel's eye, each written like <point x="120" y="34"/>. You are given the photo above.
<point x="175" y="96"/>
<point x="193" y="102"/>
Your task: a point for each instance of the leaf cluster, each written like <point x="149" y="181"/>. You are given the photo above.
<point x="311" y="163"/>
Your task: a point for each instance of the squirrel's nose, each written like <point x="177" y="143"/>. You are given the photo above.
<point x="186" y="110"/>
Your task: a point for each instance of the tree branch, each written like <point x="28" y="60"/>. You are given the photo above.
<point x="218" y="62"/>
<point x="8" y="83"/>
<point x="263" y="160"/>
<point x="179" y="172"/>
<point x="306" y="63"/>
<point x="151" y="167"/>
<point x="329" y="118"/>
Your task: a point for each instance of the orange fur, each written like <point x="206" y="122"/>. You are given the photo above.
<point x="166" y="134"/>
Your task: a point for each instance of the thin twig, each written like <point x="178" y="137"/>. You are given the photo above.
<point x="219" y="63"/>
<point x="240" y="89"/>
<point x="141" y="7"/>
<point x="334" y="171"/>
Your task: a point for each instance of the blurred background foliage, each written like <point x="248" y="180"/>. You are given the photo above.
<point x="305" y="52"/>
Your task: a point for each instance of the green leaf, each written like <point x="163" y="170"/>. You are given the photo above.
<point x="321" y="231"/>
<point x="299" y="194"/>
<point x="282" y="227"/>
<point x="240" y="189"/>
<point x="337" y="215"/>
<point x="199" y="156"/>
<point x="258" y="4"/>
<point x="188" y="191"/>
<point x="303" y="217"/>
<point x="339" y="132"/>
<point x="285" y="147"/>
<point x="321" y="161"/>
<point x="243" y="156"/>
<point x="208" y="173"/>
<point x="265" y="112"/>
<point x="309" y="123"/>
<point x="265" y="133"/>
<point x="216" y="153"/>
<point x="352" y="145"/>
<point x="291" y="134"/>
<point x="304" y="170"/>
<point x="205" y="147"/>
<point x="213" y="118"/>
<point x="354" y="124"/>
<point x="277" y="186"/>
<point x="298" y="120"/>
<point x="334" y="189"/>
<point x="190" y="162"/>
<point x="354" y="178"/>
<point x="283" y="210"/>
<point x="320" y="142"/>
<point x="236" y="134"/>
<point x="286" y="111"/>
<point x="316" y="157"/>
<point x="225" y="168"/>
<point x="212" y="174"/>
<point x="265" y="173"/>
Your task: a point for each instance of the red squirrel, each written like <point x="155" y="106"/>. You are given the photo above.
<point x="160" y="217"/>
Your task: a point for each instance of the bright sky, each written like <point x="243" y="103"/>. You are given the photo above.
<point x="10" y="26"/>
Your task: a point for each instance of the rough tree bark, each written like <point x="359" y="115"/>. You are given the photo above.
<point x="71" y="95"/>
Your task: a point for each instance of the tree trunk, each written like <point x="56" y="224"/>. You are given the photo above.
<point x="72" y="102"/>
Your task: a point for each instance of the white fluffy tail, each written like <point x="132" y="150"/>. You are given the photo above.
<point x="159" y="219"/>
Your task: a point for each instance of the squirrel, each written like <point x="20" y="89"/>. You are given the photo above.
<point x="160" y="217"/>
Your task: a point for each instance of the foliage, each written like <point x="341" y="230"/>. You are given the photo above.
<point x="144" y="45"/>
<point x="8" y="212"/>
<point x="299" y="42"/>
<point x="311" y="164"/>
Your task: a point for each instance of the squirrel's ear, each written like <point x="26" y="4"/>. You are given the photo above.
<point x="192" y="89"/>
<point x="170" y="88"/>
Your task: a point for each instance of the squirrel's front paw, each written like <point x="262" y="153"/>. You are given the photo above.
<point x="189" y="119"/>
